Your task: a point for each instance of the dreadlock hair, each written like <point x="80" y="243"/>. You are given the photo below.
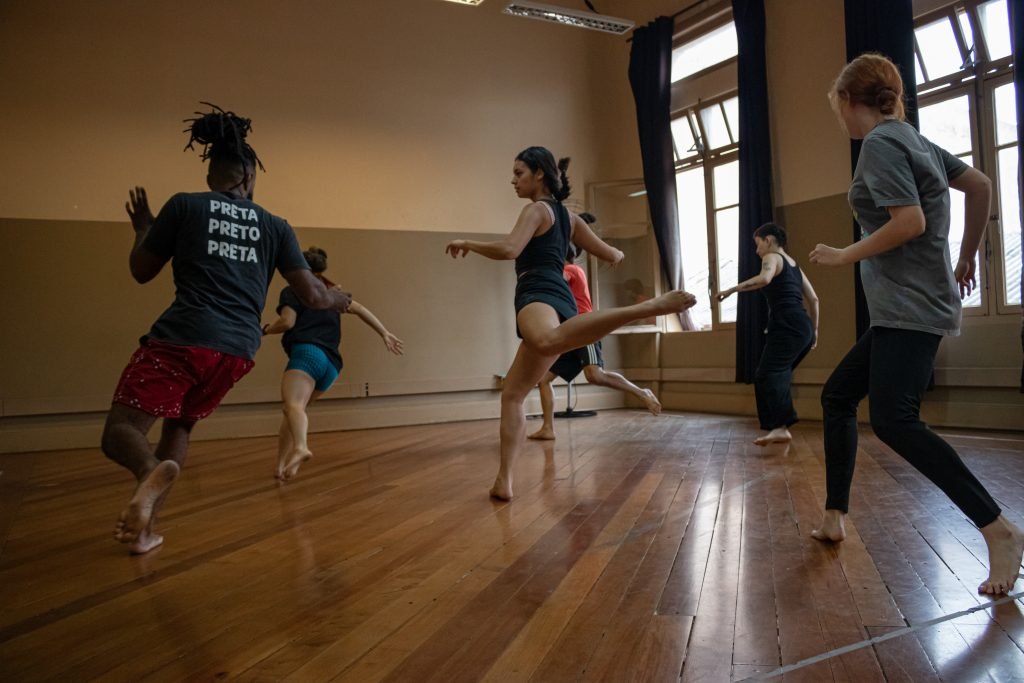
<point x="222" y="135"/>
<point x="540" y="159"/>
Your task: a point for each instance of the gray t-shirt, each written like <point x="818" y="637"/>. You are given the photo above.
<point x="910" y="287"/>
<point x="223" y="253"/>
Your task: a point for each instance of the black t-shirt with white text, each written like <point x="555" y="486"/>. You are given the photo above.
<point x="223" y="253"/>
<point x="312" y="326"/>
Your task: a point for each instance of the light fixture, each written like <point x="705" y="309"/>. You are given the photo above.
<point x="570" y="17"/>
<point x="638" y="193"/>
<point x="467" y="2"/>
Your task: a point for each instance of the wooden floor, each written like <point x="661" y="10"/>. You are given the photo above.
<point x="637" y="549"/>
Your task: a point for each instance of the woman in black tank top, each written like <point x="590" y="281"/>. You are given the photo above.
<point x="546" y="317"/>
<point x="791" y="333"/>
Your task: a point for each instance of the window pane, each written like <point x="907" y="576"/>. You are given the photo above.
<point x="714" y="126"/>
<point x="939" y="49"/>
<point x="682" y="137"/>
<point x="727" y="184"/>
<point x="948" y="124"/>
<point x="1006" y="114"/>
<point x="708" y="50"/>
<point x="995" y="25"/>
<point x="965" y="29"/>
<point x="1009" y="218"/>
<point x="693" y="236"/>
<point x="956" y="236"/>
<point x="727" y="226"/>
<point x="917" y="71"/>
<point x="732" y="113"/>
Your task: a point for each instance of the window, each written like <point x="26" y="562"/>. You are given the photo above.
<point x="966" y="104"/>
<point x="705" y="133"/>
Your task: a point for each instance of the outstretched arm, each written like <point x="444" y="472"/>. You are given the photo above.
<point x="771" y="265"/>
<point x="811" y="301"/>
<point x="905" y="223"/>
<point x="585" y="238"/>
<point x="532" y="217"/>
<point x="143" y="264"/>
<point x="285" y="321"/>
<point x="393" y="343"/>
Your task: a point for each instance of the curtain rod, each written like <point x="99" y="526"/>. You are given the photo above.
<point x="677" y="14"/>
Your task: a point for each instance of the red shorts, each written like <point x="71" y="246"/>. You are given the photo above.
<point x="169" y="380"/>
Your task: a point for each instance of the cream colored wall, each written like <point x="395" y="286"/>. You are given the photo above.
<point x="369" y="114"/>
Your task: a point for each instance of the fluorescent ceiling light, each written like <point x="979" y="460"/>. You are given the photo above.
<point x="467" y="2"/>
<point x="571" y="17"/>
<point x="638" y="193"/>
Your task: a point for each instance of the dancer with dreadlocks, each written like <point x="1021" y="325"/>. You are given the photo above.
<point x="223" y="249"/>
<point x="546" y="317"/>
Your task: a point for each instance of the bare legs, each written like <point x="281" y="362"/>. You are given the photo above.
<point x="547" y="409"/>
<point x="1005" y="551"/>
<point x="527" y="369"/>
<point x="298" y="390"/>
<point x="597" y="375"/>
<point x="544" y="339"/>
<point x="125" y="442"/>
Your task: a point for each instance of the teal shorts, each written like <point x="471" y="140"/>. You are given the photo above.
<point x="312" y="360"/>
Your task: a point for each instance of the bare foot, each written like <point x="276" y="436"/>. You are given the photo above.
<point x="136" y="517"/>
<point x="543" y="434"/>
<point x="295" y="461"/>
<point x="652" y="402"/>
<point x="779" y="435"/>
<point x="833" y="527"/>
<point x="1005" y="551"/>
<point x="502" y="489"/>
<point x="675" y="301"/>
<point x="146" y="541"/>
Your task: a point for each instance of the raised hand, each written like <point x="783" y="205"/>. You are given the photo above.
<point x="965" y="277"/>
<point x="824" y="255"/>
<point x="393" y="343"/>
<point x="138" y="209"/>
<point x="457" y="248"/>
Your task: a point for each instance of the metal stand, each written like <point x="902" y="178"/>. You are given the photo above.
<point x="569" y="412"/>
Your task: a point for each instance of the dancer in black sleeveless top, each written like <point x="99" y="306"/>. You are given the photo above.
<point x="791" y="333"/>
<point x="546" y="317"/>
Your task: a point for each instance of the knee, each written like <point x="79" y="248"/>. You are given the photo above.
<point x="514" y="394"/>
<point x="292" y="407"/>
<point x="594" y="375"/>
<point x="888" y="425"/>
<point x="544" y="344"/>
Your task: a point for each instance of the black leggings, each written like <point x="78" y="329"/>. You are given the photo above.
<point x="790" y="336"/>
<point x="893" y="367"/>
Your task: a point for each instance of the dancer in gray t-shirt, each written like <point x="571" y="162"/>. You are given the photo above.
<point x="900" y="196"/>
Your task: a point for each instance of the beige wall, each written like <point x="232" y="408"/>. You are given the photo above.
<point x="388" y="126"/>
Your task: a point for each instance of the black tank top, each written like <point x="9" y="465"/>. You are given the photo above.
<point x="546" y="253"/>
<point x="786" y="289"/>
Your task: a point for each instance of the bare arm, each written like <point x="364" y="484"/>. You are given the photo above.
<point x="532" y="218"/>
<point x="315" y="294"/>
<point x="143" y="264"/>
<point x="977" y="202"/>
<point x="811" y="302"/>
<point x="905" y="223"/>
<point x="393" y="343"/>
<point x="285" y="321"/>
<point x="771" y="265"/>
<point x="587" y="239"/>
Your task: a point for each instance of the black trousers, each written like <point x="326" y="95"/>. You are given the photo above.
<point x="893" y="367"/>
<point x="789" y="339"/>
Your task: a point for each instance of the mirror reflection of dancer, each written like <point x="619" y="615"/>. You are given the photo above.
<point x="791" y="333"/>
<point x="900" y="197"/>
<point x="223" y="248"/>
<point x="588" y="359"/>
<point x="546" y="317"/>
<point x="311" y="339"/>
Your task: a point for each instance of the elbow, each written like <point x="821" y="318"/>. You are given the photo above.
<point x="508" y="252"/>
<point x="140" y="276"/>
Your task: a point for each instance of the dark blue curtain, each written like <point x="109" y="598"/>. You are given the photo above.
<point x="1017" y="38"/>
<point x="885" y="26"/>
<point x="650" y="71"/>
<point x="756" y="206"/>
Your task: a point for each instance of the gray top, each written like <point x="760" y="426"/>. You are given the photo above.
<point x="223" y="252"/>
<point x="910" y="287"/>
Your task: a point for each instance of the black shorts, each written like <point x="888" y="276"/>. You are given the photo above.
<point x="571" y="363"/>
